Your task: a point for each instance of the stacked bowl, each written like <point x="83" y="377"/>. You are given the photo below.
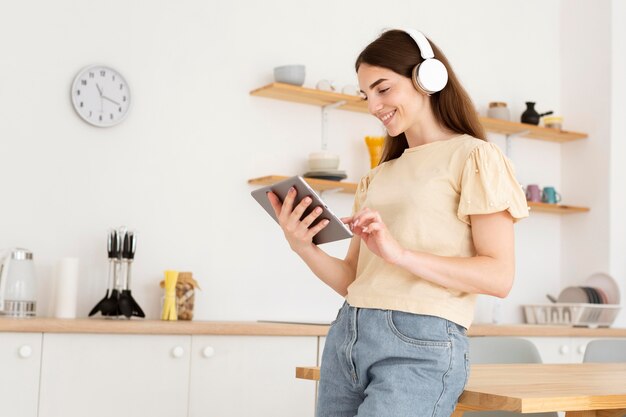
<point x="324" y="165"/>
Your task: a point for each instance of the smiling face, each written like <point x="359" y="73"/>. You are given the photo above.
<point x="392" y="98"/>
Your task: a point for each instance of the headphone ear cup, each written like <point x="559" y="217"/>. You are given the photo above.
<point x="416" y="83"/>
<point x="430" y="76"/>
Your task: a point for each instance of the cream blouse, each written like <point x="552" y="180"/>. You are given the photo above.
<point x="425" y="198"/>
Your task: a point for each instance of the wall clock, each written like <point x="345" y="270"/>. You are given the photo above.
<point x="100" y="95"/>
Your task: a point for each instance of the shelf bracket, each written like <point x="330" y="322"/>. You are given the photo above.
<point x="509" y="145"/>
<point x="325" y="110"/>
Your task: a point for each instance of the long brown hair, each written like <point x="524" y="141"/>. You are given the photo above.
<point x="396" y="50"/>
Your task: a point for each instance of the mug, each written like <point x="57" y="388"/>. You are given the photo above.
<point x="533" y="193"/>
<point x="549" y="195"/>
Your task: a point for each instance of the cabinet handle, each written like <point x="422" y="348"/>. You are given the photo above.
<point x="25" y="351"/>
<point x="564" y="349"/>
<point x="581" y="349"/>
<point x="178" y="352"/>
<point x="208" y="351"/>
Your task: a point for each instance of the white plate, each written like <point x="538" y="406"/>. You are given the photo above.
<point x="573" y="295"/>
<point x="607" y="284"/>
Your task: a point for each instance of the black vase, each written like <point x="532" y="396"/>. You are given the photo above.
<point x="530" y="115"/>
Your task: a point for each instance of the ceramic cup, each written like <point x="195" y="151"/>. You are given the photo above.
<point x="533" y="193"/>
<point x="549" y="195"/>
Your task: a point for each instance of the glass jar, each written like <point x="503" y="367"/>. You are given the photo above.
<point x="498" y="110"/>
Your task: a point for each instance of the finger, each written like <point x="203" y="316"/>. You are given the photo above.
<point x="372" y="227"/>
<point x="316" y="229"/>
<point x="298" y="211"/>
<point x="366" y="217"/>
<point x="358" y="214"/>
<point x="275" y="202"/>
<point x="288" y="203"/>
<point x="347" y="221"/>
<point x="308" y="220"/>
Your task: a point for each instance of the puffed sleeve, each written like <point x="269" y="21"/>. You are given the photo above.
<point x="488" y="185"/>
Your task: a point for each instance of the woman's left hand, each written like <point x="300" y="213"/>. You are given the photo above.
<point x="368" y="225"/>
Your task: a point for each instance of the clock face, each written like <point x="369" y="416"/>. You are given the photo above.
<point x="101" y="96"/>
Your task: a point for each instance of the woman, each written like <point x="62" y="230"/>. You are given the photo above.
<point x="433" y="227"/>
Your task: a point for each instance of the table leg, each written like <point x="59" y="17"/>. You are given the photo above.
<point x="457" y="413"/>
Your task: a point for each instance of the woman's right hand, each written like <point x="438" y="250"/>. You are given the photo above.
<point x="297" y="232"/>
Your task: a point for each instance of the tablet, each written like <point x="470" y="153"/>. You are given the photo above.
<point x="335" y="230"/>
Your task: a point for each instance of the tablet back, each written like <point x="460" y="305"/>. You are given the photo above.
<point x="335" y="230"/>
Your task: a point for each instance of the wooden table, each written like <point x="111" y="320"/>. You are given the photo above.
<point x="581" y="390"/>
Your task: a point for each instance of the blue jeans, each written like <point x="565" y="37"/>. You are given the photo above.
<point x="386" y="363"/>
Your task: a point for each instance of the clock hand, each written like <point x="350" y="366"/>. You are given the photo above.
<point x="99" y="89"/>
<point x="112" y="101"/>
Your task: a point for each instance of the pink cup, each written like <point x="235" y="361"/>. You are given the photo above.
<point x="533" y="193"/>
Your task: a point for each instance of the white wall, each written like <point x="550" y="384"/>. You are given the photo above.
<point x="618" y="149"/>
<point x="586" y="98"/>
<point x="176" y="169"/>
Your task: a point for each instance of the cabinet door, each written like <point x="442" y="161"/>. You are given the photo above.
<point x="114" y="375"/>
<point x="553" y="349"/>
<point x="20" y="359"/>
<point x="579" y="344"/>
<point x="242" y="376"/>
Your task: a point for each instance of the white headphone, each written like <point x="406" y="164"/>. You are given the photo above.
<point x="429" y="76"/>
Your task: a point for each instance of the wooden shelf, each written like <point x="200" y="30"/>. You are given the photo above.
<point x="316" y="97"/>
<point x="530" y="131"/>
<point x="288" y="92"/>
<point x="556" y="208"/>
<point x="318" y="185"/>
<point x="350" y="188"/>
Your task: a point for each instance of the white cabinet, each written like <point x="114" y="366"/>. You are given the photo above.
<point x="239" y="376"/>
<point x="114" y="375"/>
<point x="578" y="346"/>
<point x="561" y="349"/>
<point x="20" y="360"/>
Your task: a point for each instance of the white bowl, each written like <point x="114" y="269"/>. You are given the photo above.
<point x="320" y="161"/>
<point x="290" y="74"/>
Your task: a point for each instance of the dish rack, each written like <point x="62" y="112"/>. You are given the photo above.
<point x="571" y="314"/>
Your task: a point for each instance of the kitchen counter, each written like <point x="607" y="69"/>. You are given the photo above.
<point x="242" y="328"/>
<point x="139" y="326"/>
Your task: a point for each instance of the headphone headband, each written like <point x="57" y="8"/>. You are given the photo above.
<point x="422" y="43"/>
<point x="429" y="76"/>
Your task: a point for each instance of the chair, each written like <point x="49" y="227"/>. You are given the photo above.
<point x="605" y="351"/>
<point x="503" y="350"/>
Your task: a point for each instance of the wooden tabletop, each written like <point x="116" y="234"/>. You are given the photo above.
<point x="582" y="390"/>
